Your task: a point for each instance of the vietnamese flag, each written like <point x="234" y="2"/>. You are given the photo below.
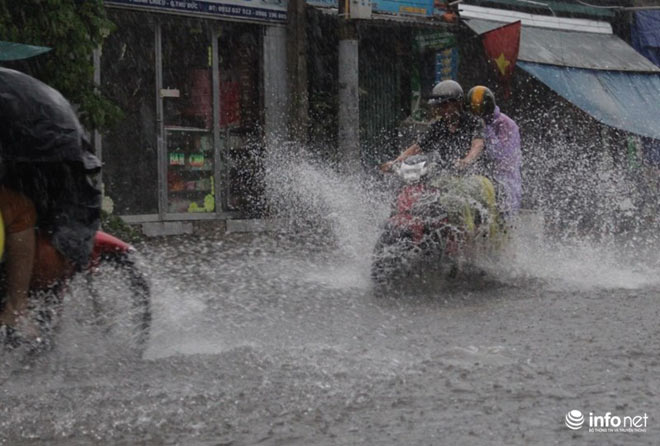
<point x="501" y="45"/>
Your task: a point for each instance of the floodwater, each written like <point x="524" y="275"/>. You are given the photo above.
<point x="281" y="339"/>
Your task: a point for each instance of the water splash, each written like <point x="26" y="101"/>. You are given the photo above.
<point x="346" y="209"/>
<point x="582" y="263"/>
<point x="586" y="233"/>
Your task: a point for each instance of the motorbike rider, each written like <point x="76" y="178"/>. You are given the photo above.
<point x="453" y="130"/>
<point x="502" y="149"/>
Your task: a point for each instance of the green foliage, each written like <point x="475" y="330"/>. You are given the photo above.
<point x="73" y="29"/>
<point x="114" y="225"/>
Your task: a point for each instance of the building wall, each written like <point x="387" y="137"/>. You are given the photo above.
<point x="181" y="152"/>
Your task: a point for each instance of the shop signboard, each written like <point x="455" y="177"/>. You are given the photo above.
<point x="324" y="3"/>
<point x="404" y="7"/>
<point x="261" y="10"/>
<point x="434" y="41"/>
<point x="267" y="10"/>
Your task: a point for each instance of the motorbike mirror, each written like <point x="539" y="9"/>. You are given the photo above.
<point x="416" y="159"/>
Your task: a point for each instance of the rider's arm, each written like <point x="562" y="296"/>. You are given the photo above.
<point x="478" y="143"/>
<point x="19" y="217"/>
<point x="410" y="151"/>
<point x="415" y="149"/>
<point x="476" y="149"/>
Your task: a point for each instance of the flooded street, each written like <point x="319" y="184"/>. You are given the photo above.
<point x="360" y="223"/>
<point x="264" y="339"/>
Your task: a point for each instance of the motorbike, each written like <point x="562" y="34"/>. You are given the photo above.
<point x="127" y="311"/>
<point x="112" y="295"/>
<point x="440" y="220"/>
<point x="47" y="156"/>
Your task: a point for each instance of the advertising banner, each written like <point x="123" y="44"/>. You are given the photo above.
<point x="261" y="10"/>
<point x="446" y="64"/>
<point x="404" y="7"/>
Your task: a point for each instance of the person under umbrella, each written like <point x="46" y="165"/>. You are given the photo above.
<point x="50" y="207"/>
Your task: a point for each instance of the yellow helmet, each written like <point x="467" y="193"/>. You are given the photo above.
<point x="481" y="101"/>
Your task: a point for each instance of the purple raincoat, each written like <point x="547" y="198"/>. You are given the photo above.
<point x="502" y="139"/>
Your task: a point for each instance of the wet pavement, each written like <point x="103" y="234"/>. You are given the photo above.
<point x="274" y="340"/>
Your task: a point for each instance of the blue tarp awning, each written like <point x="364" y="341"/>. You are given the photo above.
<point x="645" y="34"/>
<point x="624" y="100"/>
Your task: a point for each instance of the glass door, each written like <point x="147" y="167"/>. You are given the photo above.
<point x="187" y="109"/>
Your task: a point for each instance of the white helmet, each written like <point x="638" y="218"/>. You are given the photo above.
<point x="446" y="91"/>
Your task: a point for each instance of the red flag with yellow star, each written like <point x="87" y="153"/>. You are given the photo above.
<point x="501" y="45"/>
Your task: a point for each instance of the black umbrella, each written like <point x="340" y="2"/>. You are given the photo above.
<point x="39" y="124"/>
<point x="47" y="155"/>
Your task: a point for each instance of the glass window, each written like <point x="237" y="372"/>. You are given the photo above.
<point x="188" y="115"/>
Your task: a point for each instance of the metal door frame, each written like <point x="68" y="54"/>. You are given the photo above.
<point x="220" y="144"/>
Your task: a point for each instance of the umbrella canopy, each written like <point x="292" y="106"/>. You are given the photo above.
<point x="39" y="124"/>
<point x="17" y="51"/>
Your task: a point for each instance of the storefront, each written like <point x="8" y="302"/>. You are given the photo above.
<point x="199" y="90"/>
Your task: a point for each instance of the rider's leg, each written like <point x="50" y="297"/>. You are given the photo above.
<point x="21" y="247"/>
<point x="50" y="266"/>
